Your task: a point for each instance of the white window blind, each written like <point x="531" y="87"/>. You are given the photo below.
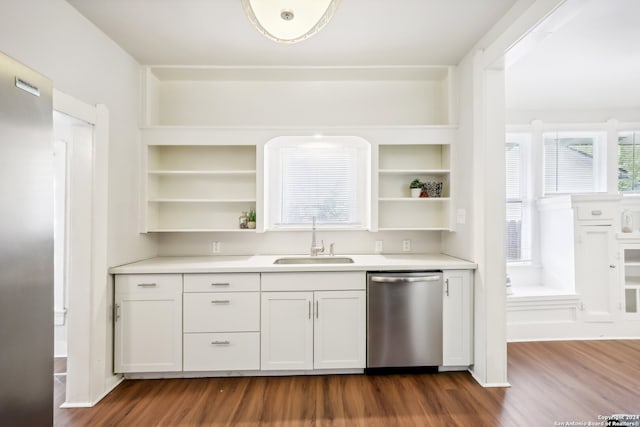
<point x="571" y="163"/>
<point x="514" y="178"/>
<point x="319" y="181"/>
<point x="327" y="178"/>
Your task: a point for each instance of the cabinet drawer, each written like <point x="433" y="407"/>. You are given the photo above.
<point x="222" y="312"/>
<point x="316" y="281"/>
<point x="596" y="213"/>
<point x="220" y="282"/>
<point x="222" y="352"/>
<point x="149" y="284"/>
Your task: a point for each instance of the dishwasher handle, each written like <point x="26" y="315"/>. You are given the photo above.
<point x="405" y="279"/>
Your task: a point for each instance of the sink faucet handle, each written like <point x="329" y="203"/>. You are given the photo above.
<point x="321" y="248"/>
<point x="331" y="249"/>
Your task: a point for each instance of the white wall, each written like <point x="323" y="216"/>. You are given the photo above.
<point x="296" y="242"/>
<point x="52" y="38"/>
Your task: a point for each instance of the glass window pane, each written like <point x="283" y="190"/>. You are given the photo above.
<point x="628" y="161"/>
<point x="568" y="164"/>
<point x="325" y="177"/>
<point x="513" y="171"/>
<point x="514" y="231"/>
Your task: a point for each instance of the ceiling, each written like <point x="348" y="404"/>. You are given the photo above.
<point x="586" y="56"/>
<point x="362" y="32"/>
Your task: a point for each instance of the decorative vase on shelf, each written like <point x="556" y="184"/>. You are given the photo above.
<point x="434" y="189"/>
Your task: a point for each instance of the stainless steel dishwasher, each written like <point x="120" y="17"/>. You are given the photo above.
<point x="404" y="319"/>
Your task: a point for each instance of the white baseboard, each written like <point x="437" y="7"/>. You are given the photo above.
<point x="92" y="404"/>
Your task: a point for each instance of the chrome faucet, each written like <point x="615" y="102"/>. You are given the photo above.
<point x="315" y="250"/>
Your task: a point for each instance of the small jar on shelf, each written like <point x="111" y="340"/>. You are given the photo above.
<point x="242" y="221"/>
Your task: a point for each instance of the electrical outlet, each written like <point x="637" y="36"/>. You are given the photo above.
<point x="215" y="247"/>
<point x="378" y="247"/>
<point x="406" y="245"/>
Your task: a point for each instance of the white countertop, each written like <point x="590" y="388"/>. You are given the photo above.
<point x="265" y="263"/>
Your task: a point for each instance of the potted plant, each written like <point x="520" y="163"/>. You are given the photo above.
<point x="251" y="218"/>
<point x="416" y="187"/>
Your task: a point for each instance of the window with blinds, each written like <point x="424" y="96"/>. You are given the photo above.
<point x="629" y="161"/>
<point x="514" y="169"/>
<point x="519" y="224"/>
<point x="571" y="163"/>
<point x="323" y="177"/>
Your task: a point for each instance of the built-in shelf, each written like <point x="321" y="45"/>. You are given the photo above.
<point x="199" y="188"/>
<point x="204" y="128"/>
<point x="201" y="172"/>
<point x="202" y="200"/>
<point x="199" y="230"/>
<point x="237" y="95"/>
<point x="398" y="165"/>
<point x="631" y="285"/>
<point x="415" y="199"/>
<point x="414" y="171"/>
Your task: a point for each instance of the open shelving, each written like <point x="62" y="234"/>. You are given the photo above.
<point x="398" y="165"/>
<point x="205" y="126"/>
<point x="199" y="187"/>
<point x="631" y="296"/>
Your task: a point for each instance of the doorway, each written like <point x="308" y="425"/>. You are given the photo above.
<point x="73" y="160"/>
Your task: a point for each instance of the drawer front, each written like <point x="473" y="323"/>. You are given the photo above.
<point x="222" y="312"/>
<point x="221" y="282"/>
<point x="222" y="352"/>
<point x="596" y="213"/>
<point x="316" y="281"/>
<point x="148" y="284"/>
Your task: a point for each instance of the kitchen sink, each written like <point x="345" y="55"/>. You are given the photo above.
<point x="315" y="260"/>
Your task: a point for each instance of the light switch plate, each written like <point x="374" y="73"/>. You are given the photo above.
<point x="215" y="247"/>
<point x="461" y="216"/>
<point x="378" y="247"/>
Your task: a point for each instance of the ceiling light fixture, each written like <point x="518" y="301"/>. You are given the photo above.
<point x="289" y="21"/>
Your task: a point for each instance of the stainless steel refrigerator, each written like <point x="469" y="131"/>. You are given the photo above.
<point x="26" y="246"/>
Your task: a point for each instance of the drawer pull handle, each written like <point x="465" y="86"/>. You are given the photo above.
<point x="221" y="284"/>
<point x="596" y="213"/>
<point x="220" y="342"/>
<point x="220" y="301"/>
<point x="147" y="285"/>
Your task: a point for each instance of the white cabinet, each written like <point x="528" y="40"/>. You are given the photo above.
<point x="596" y="276"/>
<point x="631" y="280"/>
<point x="287" y="330"/>
<point x="198" y="187"/>
<point x="148" y="323"/>
<point x="398" y="165"/>
<point x="339" y="334"/>
<point x="221" y="322"/>
<point x="457" y="318"/>
<point x="313" y="329"/>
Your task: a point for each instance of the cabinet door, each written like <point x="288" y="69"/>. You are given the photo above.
<point x="596" y="279"/>
<point x="457" y="318"/>
<point x="340" y="329"/>
<point x="287" y="330"/>
<point x="148" y="323"/>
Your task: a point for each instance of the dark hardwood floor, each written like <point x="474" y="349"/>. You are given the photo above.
<point x="551" y="382"/>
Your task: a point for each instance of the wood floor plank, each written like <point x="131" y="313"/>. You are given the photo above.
<point x="551" y="382"/>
